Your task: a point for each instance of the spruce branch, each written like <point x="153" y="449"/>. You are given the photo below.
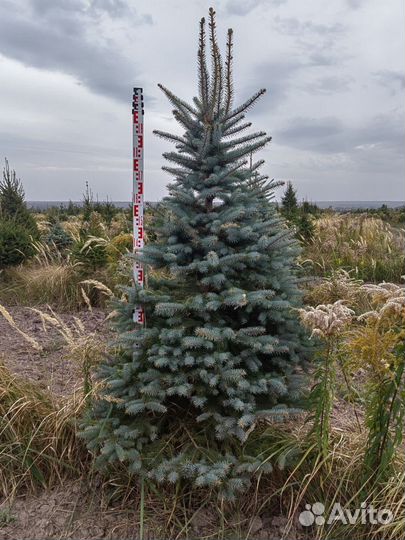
<point x="177" y="102"/>
<point x="238" y="129"/>
<point x="170" y="137"/>
<point x="179" y="173"/>
<point x="258" y="163"/>
<point x="184" y="119"/>
<point x="229" y="125"/>
<point x="244" y="151"/>
<point x="247" y="105"/>
<point x="187" y="162"/>
<point x="243" y="140"/>
<point x="231" y="171"/>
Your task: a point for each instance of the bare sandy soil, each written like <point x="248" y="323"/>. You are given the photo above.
<point x="73" y="512"/>
<point x="51" y="368"/>
<point x="70" y="511"/>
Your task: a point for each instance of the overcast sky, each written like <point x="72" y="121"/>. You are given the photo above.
<point x="334" y="71"/>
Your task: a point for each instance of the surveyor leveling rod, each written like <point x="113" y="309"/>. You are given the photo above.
<point x="137" y="197"/>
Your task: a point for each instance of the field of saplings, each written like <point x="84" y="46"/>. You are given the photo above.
<point x="65" y="282"/>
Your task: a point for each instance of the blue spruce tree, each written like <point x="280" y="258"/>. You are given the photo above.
<point x="222" y="345"/>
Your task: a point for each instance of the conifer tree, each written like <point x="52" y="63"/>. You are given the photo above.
<point x="289" y="205"/>
<point x="12" y="202"/>
<point x="221" y="345"/>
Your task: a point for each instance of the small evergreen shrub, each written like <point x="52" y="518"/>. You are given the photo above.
<point x="122" y="223"/>
<point x="107" y="210"/>
<point x="289" y="204"/>
<point x="120" y="244"/>
<point x="12" y="202"/>
<point x="298" y="216"/>
<point x="90" y="249"/>
<point x="57" y="236"/>
<point x="89" y="253"/>
<point x="305" y="226"/>
<point x="15" y="244"/>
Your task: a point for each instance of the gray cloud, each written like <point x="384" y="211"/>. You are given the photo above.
<point x="296" y="27"/>
<point x="317" y="134"/>
<point x="94" y="8"/>
<point x="54" y="37"/>
<point x="43" y="7"/>
<point x="393" y="80"/>
<point x="320" y="58"/>
<point x="355" y="4"/>
<point x="318" y="44"/>
<point x="331" y="135"/>
<point x="280" y="79"/>
<point x="276" y="77"/>
<point x="243" y="7"/>
<point x="329" y="85"/>
<point x="115" y="8"/>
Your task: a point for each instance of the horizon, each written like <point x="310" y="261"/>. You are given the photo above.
<point x="109" y="199"/>
<point x="323" y="205"/>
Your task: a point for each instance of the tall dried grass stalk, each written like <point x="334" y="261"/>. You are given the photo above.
<point x="370" y="247"/>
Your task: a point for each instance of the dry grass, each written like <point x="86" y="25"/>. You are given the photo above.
<point x="40" y="448"/>
<point x="369" y="354"/>
<point x="85" y="349"/>
<point x="73" y="226"/>
<point x="271" y="507"/>
<point x="39" y="445"/>
<point x="339" y="286"/>
<point x="353" y="292"/>
<point x="53" y="279"/>
<point x="38" y="441"/>
<point x="369" y="247"/>
<point x="48" y="279"/>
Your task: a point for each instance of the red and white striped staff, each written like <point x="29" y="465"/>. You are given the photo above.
<point x="137" y="199"/>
